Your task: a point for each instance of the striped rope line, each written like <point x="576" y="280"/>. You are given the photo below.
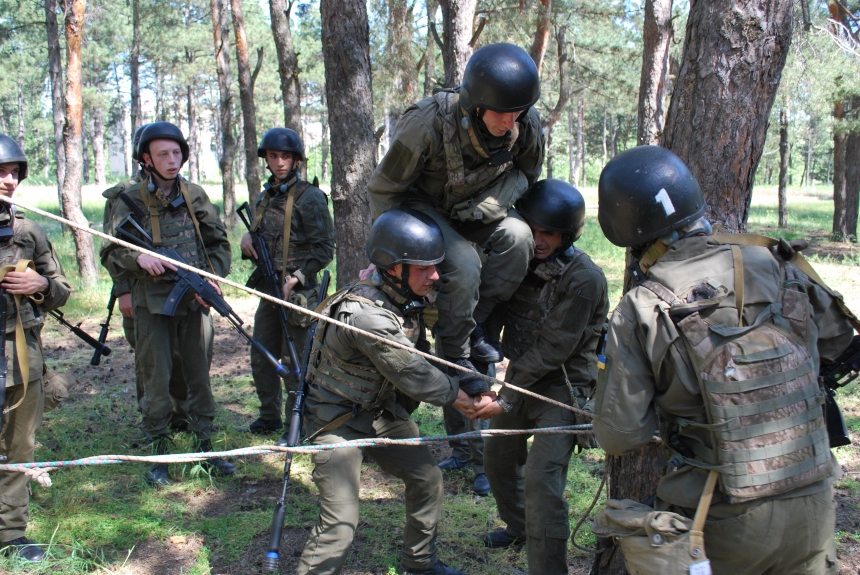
<point x="293" y="307"/>
<point x="267" y="449"/>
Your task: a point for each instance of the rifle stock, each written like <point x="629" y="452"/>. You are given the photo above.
<point x="97" y="355"/>
<point x="100" y="348"/>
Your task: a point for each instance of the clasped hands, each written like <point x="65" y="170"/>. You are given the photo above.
<point x="482" y="406"/>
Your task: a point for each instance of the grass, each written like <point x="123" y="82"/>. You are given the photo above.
<point x="100" y="519"/>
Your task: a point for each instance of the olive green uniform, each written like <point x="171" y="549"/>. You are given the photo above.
<point x="122" y="285"/>
<point x="18" y="438"/>
<point x="648" y="368"/>
<point x="311" y="249"/>
<point x="552" y="326"/>
<point x="159" y="337"/>
<point x="349" y="371"/>
<point x="434" y="166"/>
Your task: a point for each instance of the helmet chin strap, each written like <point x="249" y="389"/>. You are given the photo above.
<point x="152" y="170"/>
<point x="414" y="303"/>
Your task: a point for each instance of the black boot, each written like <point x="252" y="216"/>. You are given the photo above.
<point x="25" y="549"/>
<point x="158" y="474"/>
<point x="214" y="465"/>
<point x="483" y="349"/>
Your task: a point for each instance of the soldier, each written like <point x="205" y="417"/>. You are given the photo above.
<point x="552" y="326"/>
<point x="122" y="289"/>
<point x="180" y="215"/>
<point x="352" y="395"/>
<point x="45" y="288"/>
<point x="294" y="210"/>
<point x="724" y="341"/>
<point x="463" y="157"/>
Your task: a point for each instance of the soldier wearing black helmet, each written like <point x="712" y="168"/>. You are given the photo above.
<point x="32" y="282"/>
<point x="293" y="217"/>
<point x="723" y="338"/>
<point x="178" y="214"/>
<point x="122" y="288"/>
<point x="354" y="381"/>
<point x="552" y="324"/>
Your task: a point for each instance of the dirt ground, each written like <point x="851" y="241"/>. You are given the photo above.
<point x="179" y="554"/>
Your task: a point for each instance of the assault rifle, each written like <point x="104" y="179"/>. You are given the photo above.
<point x="97" y="355"/>
<point x="838" y="374"/>
<point x="4" y="367"/>
<point x="129" y="230"/>
<point x="273" y="284"/>
<point x="101" y="348"/>
<point x="270" y="562"/>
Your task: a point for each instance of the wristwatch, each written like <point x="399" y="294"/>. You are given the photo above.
<point x="506" y="407"/>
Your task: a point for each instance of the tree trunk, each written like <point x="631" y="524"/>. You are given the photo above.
<point x="55" y="65"/>
<point x="734" y="52"/>
<point x="134" y="67"/>
<point x="539" y="45"/>
<point x="579" y="167"/>
<point x="85" y="154"/>
<point x="123" y="133"/>
<point x="563" y="83"/>
<point x="430" y="50"/>
<point x="653" y="83"/>
<point x="346" y="54"/>
<point x="852" y="172"/>
<point x="221" y="37"/>
<point x="549" y="155"/>
<point x="457" y="17"/>
<point x="572" y="150"/>
<point x="810" y="139"/>
<point x="288" y="65"/>
<point x="783" y="167"/>
<point x="74" y="24"/>
<point x="249" y="112"/>
<point x="404" y="86"/>
<point x="604" y="137"/>
<point x="97" y="139"/>
<point x="840" y="199"/>
<point x="193" y="170"/>
<point x="21" y="141"/>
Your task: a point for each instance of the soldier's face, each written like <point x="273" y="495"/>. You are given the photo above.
<point x="421" y="278"/>
<point x="546" y="242"/>
<point x="280" y="163"/>
<point x="499" y="123"/>
<point x="165" y="156"/>
<point x="9" y="178"/>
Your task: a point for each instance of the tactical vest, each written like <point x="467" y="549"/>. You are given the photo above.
<point x="760" y="390"/>
<point x="530" y="305"/>
<point x="464" y="183"/>
<point x="363" y="385"/>
<point x="11" y="251"/>
<point x="271" y="227"/>
<point x="177" y="233"/>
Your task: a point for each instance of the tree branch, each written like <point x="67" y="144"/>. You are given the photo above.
<point x="436" y="37"/>
<point x="482" y="21"/>
<point x="257" y="67"/>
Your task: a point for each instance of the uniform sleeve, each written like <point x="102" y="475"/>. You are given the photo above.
<point x="118" y="260"/>
<point x="834" y="330"/>
<point x="563" y="331"/>
<point x="532" y="147"/>
<point x="410" y="373"/>
<point x="319" y="229"/>
<point x="402" y="164"/>
<point x="121" y="279"/>
<point x="213" y="234"/>
<point x="48" y="266"/>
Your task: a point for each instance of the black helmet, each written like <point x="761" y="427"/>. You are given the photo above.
<point x="161" y="131"/>
<point x="405" y="236"/>
<point x="135" y="141"/>
<point x="11" y="152"/>
<point x="644" y="193"/>
<point x="282" y="139"/>
<point x="554" y="205"/>
<point x="500" y="77"/>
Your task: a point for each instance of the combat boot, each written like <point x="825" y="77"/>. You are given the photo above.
<point x="438" y="569"/>
<point x="483" y="349"/>
<point x="158" y="474"/>
<point x="25" y="549"/>
<point x="214" y="465"/>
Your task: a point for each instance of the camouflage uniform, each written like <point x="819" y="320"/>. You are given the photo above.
<point x="434" y="166"/>
<point x="353" y="383"/>
<point x="552" y="326"/>
<point x="18" y="439"/>
<point x="311" y="249"/>
<point x="647" y="368"/>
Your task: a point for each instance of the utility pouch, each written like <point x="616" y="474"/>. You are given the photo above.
<point x="493" y="203"/>
<point x="306" y="299"/>
<point x="56" y="387"/>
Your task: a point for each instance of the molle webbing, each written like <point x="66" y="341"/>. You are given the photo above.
<point x="22" y="354"/>
<point x="280" y="253"/>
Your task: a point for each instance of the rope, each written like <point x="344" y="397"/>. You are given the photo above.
<point x="29" y="468"/>
<point x="293" y="307"/>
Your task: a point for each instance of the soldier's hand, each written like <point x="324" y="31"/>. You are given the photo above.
<point x="201" y="301"/>
<point x="153" y="266"/>
<point x="27" y="282"/>
<point x="126" y="307"/>
<point x="247" y="246"/>
<point x="465" y="403"/>
<point x="486" y="406"/>
<point x="289" y="285"/>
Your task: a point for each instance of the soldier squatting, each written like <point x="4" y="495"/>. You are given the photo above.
<point x="722" y="337"/>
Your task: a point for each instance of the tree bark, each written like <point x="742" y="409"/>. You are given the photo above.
<point x="221" y="37"/>
<point x="85" y="155"/>
<point x="549" y="155"/>
<point x="430" y="50"/>
<point x="346" y="54"/>
<point x="97" y="139"/>
<point x="840" y="199"/>
<point x="74" y="24"/>
<point x="457" y="17"/>
<point x="572" y="151"/>
<point x="404" y="86"/>
<point x="249" y="112"/>
<point x="653" y="83"/>
<point x="134" y="67"/>
<point x="579" y="166"/>
<point x="783" y="168"/>
<point x="193" y="170"/>
<point x="123" y="133"/>
<point x="852" y="172"/>
<point x="288" y="65"/>
<point x="55" y="66"/>
<point x="541" y="40"/>
<point x="734" y="52"/>
<point x="563" y="83"/>
<point x="21" y="141"/>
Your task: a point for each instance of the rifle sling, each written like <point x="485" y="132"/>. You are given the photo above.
<point x="20" y="339"/>
<point x="292" y="195"/>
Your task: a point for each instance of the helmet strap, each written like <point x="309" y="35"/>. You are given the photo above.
<point x="654" y="252"/>
<point x="414" y="303"/>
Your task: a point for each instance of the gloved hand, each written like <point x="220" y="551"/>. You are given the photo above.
<point x="471" y="384"/>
